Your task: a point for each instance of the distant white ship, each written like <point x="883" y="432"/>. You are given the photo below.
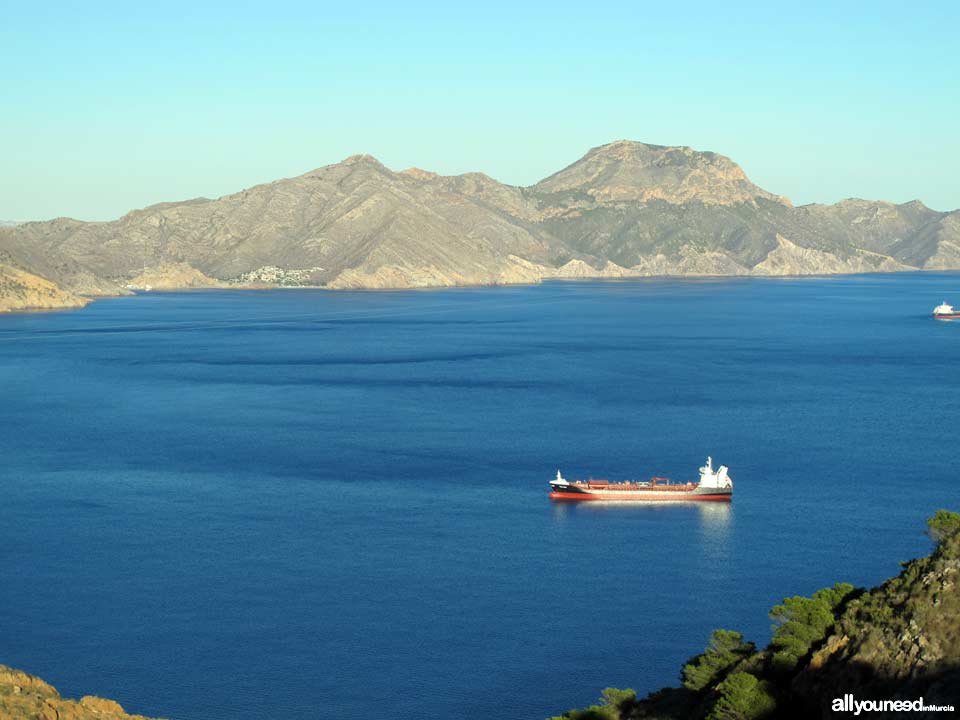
<point x="944" y="311"/>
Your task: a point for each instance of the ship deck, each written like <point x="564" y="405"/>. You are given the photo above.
<point x="633" y="486"/>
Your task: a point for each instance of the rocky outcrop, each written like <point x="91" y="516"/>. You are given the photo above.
<point x="945" y="244"/>
<point x="898" y="641"/>
<point x="625" y="209"/>
<point x="790" y="259"/>
<point x="30" y="698"/>
<point x="20" y="290"/>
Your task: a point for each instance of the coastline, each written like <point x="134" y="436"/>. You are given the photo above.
<point x="86" y="300"/>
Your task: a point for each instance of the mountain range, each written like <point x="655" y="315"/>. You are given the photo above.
<point x="624" y="209"/>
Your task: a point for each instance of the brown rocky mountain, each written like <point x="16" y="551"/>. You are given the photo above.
<point x="624" y="209"/>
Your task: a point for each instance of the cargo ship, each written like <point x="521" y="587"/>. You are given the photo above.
<point x="714" y="485"/>
<point x="945" y="312"/>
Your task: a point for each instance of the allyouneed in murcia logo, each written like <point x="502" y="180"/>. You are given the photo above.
<point x="850" y="704"/>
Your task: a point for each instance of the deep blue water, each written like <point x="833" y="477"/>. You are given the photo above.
<point x="299" y="504"/>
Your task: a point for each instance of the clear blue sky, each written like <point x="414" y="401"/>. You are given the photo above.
<point x="109" y="106"/>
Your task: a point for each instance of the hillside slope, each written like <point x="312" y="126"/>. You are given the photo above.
<point x="20" y="290"/>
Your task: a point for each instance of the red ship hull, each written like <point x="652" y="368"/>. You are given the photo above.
<point x="641" y="496"/>
<point x="943" y="316"/>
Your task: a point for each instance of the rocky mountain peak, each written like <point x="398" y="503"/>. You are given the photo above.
<point x="628" y="171"/>
<point x="353" y="169"/>
<point x="362" y="159"/>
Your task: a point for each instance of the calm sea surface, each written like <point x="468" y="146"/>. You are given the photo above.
<point x="306" y="504"/>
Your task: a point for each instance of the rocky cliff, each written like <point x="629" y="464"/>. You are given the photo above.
<point x="20" y="290"/>
<point x="624" y="209"/>
<point x="898" y="642"/>
<point x="25" y="697"/>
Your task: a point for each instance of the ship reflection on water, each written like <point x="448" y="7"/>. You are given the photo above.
<point x="716" y="526"/>
<point x="706" y="528"/>
<point x="714" y="518"/>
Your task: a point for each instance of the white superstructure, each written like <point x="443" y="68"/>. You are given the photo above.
<point x="711" y="479"/>
<point x="943" y="309"/>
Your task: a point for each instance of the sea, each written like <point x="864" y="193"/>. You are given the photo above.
<point x="305" y="504"/>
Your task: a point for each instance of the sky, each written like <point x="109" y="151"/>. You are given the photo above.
<point x="111" y="106"/>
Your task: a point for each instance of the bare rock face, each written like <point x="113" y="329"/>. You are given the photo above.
<point x="626" y="209"/>
<point x="791" y="259"/>
<point x="30" y="698"/>
<point x="577" y="269"/>
<point x="20" y="290"/>
<point x="946" y="241"/>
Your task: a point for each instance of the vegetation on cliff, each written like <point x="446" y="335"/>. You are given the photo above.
<point x="899" y="641"/>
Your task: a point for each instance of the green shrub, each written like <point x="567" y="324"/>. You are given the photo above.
<point x="944" y="524"/>
<point x="614" y="704"/>
<point x="801" y="622"/>
<point x="621" y="700"/>
<point x="743" y="697"/>
<point x="725" y="650"/>
<point x="594" y="712"/>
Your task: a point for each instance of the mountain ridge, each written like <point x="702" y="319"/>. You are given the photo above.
<point x="624" y="209"/>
